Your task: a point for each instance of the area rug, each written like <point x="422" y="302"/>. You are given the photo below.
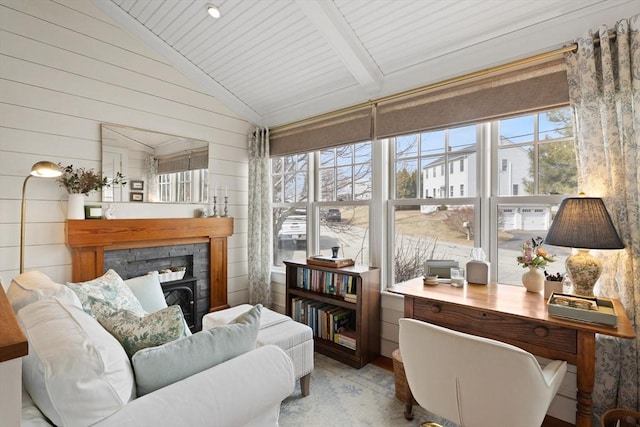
<point x="345" y="396"/>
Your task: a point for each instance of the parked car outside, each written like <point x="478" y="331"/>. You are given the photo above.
<point x="334" y="215"/>
<point x="294" y="229"/>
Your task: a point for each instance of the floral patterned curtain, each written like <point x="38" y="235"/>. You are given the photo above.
<point x="260" y="233"/>
<point x="604" y="89"/>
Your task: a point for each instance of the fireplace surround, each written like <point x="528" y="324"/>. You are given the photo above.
<point x="89" y="240"/>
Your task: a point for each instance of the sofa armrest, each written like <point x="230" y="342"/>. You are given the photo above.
<point x="243" y="391"/>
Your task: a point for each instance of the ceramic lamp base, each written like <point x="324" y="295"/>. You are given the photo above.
<point x="584" y="270"/>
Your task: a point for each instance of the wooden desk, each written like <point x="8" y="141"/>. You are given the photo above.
<point x="515" y="316"/>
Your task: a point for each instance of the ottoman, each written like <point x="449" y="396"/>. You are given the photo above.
<point x="294" y="338"/>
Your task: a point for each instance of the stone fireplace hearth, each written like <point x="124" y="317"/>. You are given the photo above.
<point x="194" y="257"/>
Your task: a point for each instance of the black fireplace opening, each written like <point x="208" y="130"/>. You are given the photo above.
<point x="191" y="292"/>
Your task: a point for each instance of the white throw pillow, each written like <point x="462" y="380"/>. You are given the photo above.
<point x="110" y="288"/>
<point x="157" y="367"/>
<point x="148" y="291"/>
<point x="33" y="286"/>
<point x="76" y="372"/>
<point x="136" y="332"/>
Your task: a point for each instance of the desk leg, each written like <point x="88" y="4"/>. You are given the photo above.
<point x="586" y="377"/>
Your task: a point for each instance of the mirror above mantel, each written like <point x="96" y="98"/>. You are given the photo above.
<point x="158" y="167"/>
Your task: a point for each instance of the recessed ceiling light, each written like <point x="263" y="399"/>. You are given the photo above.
<point x="213" y="11"/>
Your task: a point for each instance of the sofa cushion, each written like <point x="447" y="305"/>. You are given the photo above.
<point x="108" y="287"/>
<point x="136" y="332"/>
<point x="34" y="286"/>
<point x="157" y="367"/>
<point x="148" y="291"/>
<point x="76" y="372"/>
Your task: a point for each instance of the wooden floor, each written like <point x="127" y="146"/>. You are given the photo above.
<point x="387" y="363"/>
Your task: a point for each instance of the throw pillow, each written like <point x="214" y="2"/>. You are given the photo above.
<point x="75" y="372"/>
<point x="109" y="287"/>
<point x="136" y="332"/>
<point x="33" y="286"/>
<point x="157" y="367"/>
<point x="148" y="291"/>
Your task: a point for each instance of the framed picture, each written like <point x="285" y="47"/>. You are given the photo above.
<point x="137" y="185"/>
<point x="136" y="197"/>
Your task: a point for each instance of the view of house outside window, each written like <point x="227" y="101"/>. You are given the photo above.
<point x="444" y="185"/>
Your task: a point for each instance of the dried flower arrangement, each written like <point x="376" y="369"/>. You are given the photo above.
<point x="84" y="181"/>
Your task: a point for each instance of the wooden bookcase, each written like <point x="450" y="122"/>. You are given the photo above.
<point x="365" y="311"/>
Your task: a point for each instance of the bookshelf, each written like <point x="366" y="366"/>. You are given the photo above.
<point x="342" y="307"/>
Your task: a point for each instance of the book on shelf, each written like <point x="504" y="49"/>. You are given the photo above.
<point x="327" y="261"/>
<point x="346" y="338"/>
<point x="351" y="298"/>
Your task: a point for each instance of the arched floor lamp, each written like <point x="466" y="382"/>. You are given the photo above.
<point x="43" y="169"/>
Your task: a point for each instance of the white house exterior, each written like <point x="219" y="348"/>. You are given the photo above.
<point x="454" y="176"/>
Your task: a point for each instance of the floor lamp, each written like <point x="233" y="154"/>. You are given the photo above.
<point x="41" y="169"/>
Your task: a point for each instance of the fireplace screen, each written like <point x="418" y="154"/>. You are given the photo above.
<point x="181" y="292"/>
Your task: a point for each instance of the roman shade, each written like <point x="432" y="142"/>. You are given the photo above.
<point x="340" y="129"/>
<point x="522" y="91"/>
<point x="184" y="162"/>
<point x="459" y="101"/>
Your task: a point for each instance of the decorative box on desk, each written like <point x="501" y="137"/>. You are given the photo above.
<point x="342" y="307"/>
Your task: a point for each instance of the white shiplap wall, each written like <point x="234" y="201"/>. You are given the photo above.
<point x="65" y="68"/>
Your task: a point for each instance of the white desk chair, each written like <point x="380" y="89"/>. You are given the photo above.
<point x="474" y="381"/>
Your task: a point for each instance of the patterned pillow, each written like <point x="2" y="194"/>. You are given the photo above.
<point x="157" y="367"/>
<point x="136" y="332"/>
<point x="108" y="288"/>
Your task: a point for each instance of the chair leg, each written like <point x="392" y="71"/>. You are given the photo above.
<point x="304" y="384"/>
<point x="408" y="409"/>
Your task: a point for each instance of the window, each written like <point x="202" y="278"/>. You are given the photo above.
<point x="339" y="206"/>
<point x="290" y="177"/>
<point x="325" y="198"/>
<point x="449" y="227"/>
<point x="189" y="186"/>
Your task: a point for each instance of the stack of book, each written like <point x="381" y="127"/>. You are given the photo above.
<point x="327" y="321"/>
<point x="327" y="261"/>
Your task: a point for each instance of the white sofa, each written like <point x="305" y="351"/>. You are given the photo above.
<point x="77" y="374"/>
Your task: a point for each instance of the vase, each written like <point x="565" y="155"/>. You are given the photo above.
<point x="75" y="207"/>
<point x="533" y="280"/>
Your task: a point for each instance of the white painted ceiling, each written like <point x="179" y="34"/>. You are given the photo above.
<point x="278" y="61"/>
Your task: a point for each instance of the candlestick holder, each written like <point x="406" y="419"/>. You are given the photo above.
<point x="215" y="207"/>
<point x="226" y="205"/>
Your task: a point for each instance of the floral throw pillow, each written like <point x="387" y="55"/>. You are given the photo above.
<point x="108" y="288"/>
<point x="135" y="332"/>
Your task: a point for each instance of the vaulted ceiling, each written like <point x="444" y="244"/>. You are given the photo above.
<point x="278" y="61"/>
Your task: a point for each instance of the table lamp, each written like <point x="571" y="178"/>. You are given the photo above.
<point x="583" y="223"/>
<point x="43" y="169"/>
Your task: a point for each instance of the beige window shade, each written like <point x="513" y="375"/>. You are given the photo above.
<point x="184" y="162"/>
<point x="528" y="90"/>
<point x="354" y="126"/>
<point x="491" y="95"/>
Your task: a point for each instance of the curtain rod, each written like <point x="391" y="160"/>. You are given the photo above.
<point x="573" y="47"/>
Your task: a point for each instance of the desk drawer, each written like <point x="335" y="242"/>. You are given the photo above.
<point x="499" y="326"/>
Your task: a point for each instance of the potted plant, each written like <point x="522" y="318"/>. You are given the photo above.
<point x="534" y="257"/>
<point x="552" y="283"/>
<point x="81" y="181"/>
